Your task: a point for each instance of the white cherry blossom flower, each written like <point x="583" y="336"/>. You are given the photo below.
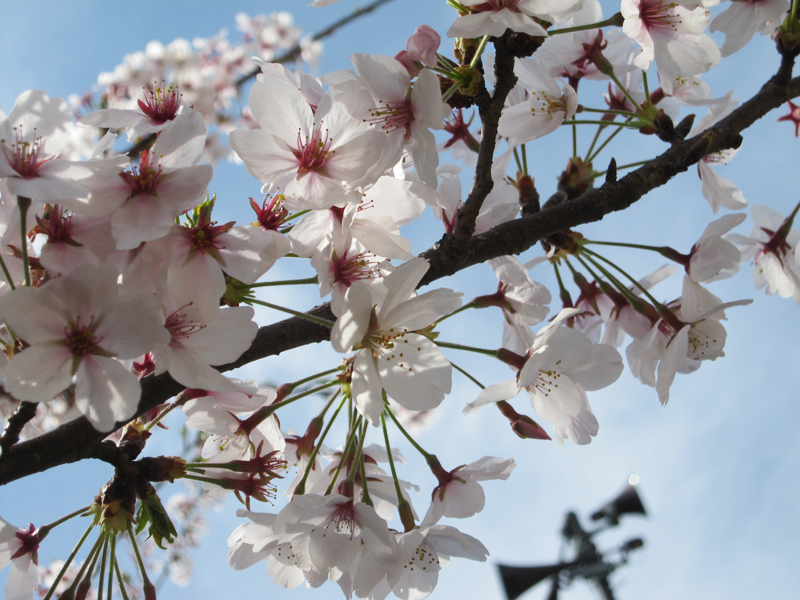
<point x="406" y="112"/>
<point x="772" y="247"/>
<point x="560" y="366"/>
<point x="495" y="16"/>
<point x="31" y="139"/>
<point x="743" y="19"/>
<point x="74" y="326"/>
<point x="196" y="344"/>
<point x="545" y="109"/>
<point x="317" y="157"/>
<point x="19" y="548"/>
<point x="166" y="183"/>
<point x="670" y="34"/>
<point x="391" y="354"/>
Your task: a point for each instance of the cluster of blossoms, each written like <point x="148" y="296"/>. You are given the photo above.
<point x="114" y="270"/>
<point x="205" y="74"/>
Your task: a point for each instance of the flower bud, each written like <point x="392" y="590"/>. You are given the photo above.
<point x="405" y="59"/>
<point x="422" y="46"/>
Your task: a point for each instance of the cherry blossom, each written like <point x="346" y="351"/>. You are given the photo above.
<point x="73" y="327"/>
<point x="671" y="34"/>
<point x="546" y="108"/>
<point x="742" y="19"/>
<point x="771" y="246"/>
<point x="166" y="183"/>
<point x="495" y="16"/>
<point x="423" y="44"/>
<point x="19" y="548"/>
<point x="31" y="140"/>
<point x="317" y="157"/>
<point x="392" y="354"/>
<point x="560" y="366"/>
<point x="405" y="112"/>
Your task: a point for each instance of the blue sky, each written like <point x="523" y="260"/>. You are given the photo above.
<point x="718" y="466"/>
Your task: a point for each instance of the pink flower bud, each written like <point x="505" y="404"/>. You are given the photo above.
<point x="405" y="59"/>
<point x="423" y="45"/>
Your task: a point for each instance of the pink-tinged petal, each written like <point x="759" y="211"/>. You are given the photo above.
<point x="197" y="281"/>
<point x="203" y="414"/>
<point x="188" y="369"/>
<point x="451" y="542"/>
<point x="280" y="109"/>
<point x="271" y="245"/>
<point x="87" y="290"/>
<point x="225" y="338"/>
<point x="386" y="76"/>
<point x="131" y="326"/>
<point x="375" y="533"/>
<point x="402" y="283"/>
<point x="487" y="468"/>
<point x="182" y="142"/>
<point x="240" y="258"/>
<point x="22" y="580"/>
<point x="265" y="157"/>
<point x="352" y="326"/>
<point x="505" y="390"/>
<point x="112" y="118"/>
<point x="311" y="232"/>
<point x="36" y="315"/>
<point x="601" y="370"/>
<point x="40" y="372"/>
<point x="415" y="373"/>
<point x="143" y="218"/>
<point x="184" y="188"/>
<point x="46" y="189"/>
<point x="50" y="117"/>
<point x="718" y="190"/>
<point x="426" y="101"/>
<point x="105" y="392"/>
<point x="366" y="388"/>
<point x="360" y="160"/>
<point x="519" y="22"/>
<point x="313" y="190"/>
<point x="61" y="259"/>
<point x="476" y="25"/>
<point x="417" y="313"/>
<point x="380" y="242"/>
<point x="333" y="552"/>
<point x="424" y="154"/>
<point x="463" y="500"/>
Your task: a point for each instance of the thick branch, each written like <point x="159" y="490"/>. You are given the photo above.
<point x="490" y="108"/>
<point x="76" y="440"/>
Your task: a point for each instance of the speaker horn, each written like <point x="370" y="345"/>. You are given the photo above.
<point x="628" y="502"/>
<point x="517" y="580"/>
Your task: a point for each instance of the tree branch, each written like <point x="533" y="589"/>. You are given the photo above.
<point x="490" y="108"/>
<point x="77" y="439"/>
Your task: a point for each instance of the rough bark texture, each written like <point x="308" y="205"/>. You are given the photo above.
<point x="77" y="439"/>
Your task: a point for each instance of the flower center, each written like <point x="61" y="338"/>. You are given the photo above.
<point x="655" y="14"/>
<point x="144" y="178"/>
<point x="392" y="115"/>
<point x="161" y="105"/>
<point x="81" y="339"/>
<point x="30" y="544"/>
<point x="343" y="519"/>
<point x="313" y="152"/>
<point x="348" y="269"/>
<point x="179" y="326"/>
<point x="24" y="157"/>
<point x="271" y="214"/>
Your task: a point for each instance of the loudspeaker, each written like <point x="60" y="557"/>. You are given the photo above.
<point x="517" y="580"/>
<point x="628" y="502"/>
